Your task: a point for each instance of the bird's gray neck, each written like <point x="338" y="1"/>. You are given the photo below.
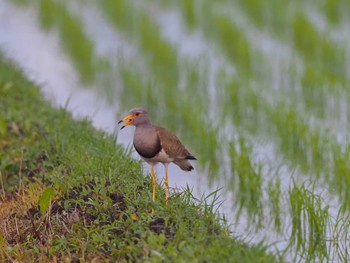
<point x="144" y="125"/>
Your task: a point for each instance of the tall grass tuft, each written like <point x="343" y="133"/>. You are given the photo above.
<point x="247" y="181"/>
<point x="309" y="223"/>
<point x="275" y="199"/>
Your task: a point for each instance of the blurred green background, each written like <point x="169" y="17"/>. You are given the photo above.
<point x="257" y="89"/>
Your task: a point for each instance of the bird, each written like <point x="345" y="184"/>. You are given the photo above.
<point x="157" y="145"/>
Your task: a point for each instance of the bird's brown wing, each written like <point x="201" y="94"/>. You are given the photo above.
<point x="172" y="145"/>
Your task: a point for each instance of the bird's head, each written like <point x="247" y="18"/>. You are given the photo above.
<point x="136" y="116"/>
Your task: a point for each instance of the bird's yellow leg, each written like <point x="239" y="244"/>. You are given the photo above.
<point x="153" y="184"/>
<point x="166" y="185"/>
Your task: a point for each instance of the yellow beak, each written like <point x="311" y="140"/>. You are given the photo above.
<point x="127" y="120"/>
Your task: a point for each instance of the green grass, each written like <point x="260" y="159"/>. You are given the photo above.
<point x="309" y="223"/>
<point x="247" y="180"/>
<point x="275" y="196"/>
<point x="101" y="204"/>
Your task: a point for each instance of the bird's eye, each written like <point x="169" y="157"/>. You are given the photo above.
<point x="137" y="114"/>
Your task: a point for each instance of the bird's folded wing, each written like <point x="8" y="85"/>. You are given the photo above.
<point x="172" y="145"/>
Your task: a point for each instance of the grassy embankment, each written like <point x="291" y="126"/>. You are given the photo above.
<point x="69" y="192"/>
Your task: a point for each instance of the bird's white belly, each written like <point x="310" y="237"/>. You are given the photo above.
<point x="161" y="157"/>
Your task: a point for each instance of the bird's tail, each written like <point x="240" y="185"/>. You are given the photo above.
<point x="184" y="165"/>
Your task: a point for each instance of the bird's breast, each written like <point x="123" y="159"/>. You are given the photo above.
<point x="147" y="143"/>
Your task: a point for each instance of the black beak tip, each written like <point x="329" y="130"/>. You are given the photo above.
<point x="122" y="127"/>
<point x="120" y="121"/>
